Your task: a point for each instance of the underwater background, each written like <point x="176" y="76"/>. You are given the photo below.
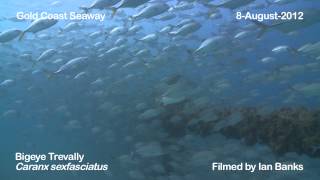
<point x="162" y="97"/>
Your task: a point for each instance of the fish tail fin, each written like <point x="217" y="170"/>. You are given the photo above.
<point x="269" y="3"/>
<point x="298" y="52"/>
<point x="210" y="6"/>
<point x="191" y="53"/>
<point x="34" y="63"/>
<point x="136" y="39"/>
<point x="48" y="73"/>
<point x="131" y="18"/>
<point x="85" y="9"/>
<point x="292" y="88"/>
<point x="260" y="24"/>
<point x="21" y="35"/>
<point x="295" y="90"/>
<point x="263" y="27"/>
<point x="114" y="11"/>
<point x="293" y="50"/>
<point x="60" y="30"/>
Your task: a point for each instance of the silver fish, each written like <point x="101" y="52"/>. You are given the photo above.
<point x="39" y="25"/>
<point x="9" y="35"/>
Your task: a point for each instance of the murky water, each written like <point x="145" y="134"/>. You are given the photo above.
<point x="161" y="90"/>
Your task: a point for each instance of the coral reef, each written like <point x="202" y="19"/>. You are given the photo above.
<point x="284" y="130"/>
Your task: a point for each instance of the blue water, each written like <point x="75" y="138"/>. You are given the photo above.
<point x="37" y="124"/>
